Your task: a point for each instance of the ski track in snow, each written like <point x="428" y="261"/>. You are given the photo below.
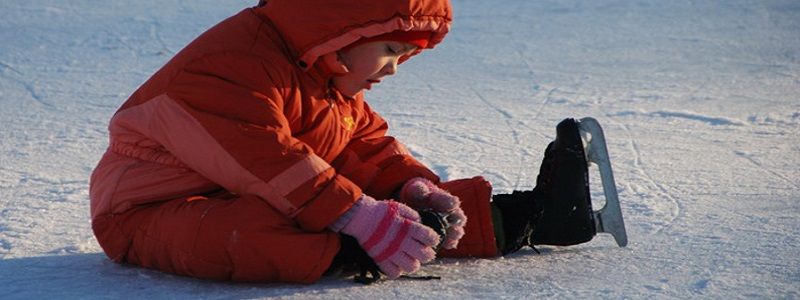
<point x="28" y="85"/>
<point x="685" y="115"/>
<point x="675" y="212"/>
<point x="510" y="122"/>
<point x="752" y="160"/>
<point x="699" y="101"/>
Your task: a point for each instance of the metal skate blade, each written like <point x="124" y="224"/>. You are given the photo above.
<point x="609" y="218"/>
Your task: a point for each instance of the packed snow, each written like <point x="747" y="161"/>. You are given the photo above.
<point x="700" y="102"/>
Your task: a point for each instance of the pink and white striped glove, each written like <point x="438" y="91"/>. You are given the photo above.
<point x="421" y="194"/>
<point x="390" y="233"/>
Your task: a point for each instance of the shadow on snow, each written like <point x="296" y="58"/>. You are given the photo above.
<point x="94" y="276"/>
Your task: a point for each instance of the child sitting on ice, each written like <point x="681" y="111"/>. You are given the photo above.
<point x="253" y="156"/>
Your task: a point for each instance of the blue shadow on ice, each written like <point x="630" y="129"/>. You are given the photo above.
<point x="93" y="276"/>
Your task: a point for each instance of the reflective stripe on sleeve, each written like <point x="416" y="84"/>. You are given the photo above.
<point x="167" y="122"/>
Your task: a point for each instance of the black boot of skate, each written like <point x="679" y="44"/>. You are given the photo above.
<point x="517" y="214"/>
<point x="563" y="189"/>
<point x="558" y="210"/>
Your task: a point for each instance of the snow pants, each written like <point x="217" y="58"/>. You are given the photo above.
<point x="223" y="236"/>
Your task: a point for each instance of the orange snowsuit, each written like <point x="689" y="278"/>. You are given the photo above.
<point x="230" y="162"/>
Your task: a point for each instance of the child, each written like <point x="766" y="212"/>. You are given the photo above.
<point x="252" y="156"/>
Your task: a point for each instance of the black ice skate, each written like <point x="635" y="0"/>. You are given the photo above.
<point x="519" y="214"/>
<point x="558" y="211"/>
<point x="436" y="221"/>
<point x="563" y="187"/>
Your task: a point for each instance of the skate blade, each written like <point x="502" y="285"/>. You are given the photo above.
<point x="609" y="218"/>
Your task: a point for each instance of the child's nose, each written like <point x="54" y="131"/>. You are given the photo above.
<point x="391" y="67"/>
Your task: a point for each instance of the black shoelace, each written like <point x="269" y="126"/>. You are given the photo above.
<point x="370" y="276"/>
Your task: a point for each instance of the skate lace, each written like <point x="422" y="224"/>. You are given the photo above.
<point x="525" y="239"/>
<point x="369" y="276"/>
<point x="532" y="227"/>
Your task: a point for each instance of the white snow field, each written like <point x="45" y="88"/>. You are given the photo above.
<point x="700" y="102"/>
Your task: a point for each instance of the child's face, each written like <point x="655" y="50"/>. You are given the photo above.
<point x="368" y="63"/>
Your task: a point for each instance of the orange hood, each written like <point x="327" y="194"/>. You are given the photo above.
<point x="314" y="28"/>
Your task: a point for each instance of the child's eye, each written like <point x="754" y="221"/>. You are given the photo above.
<point x="391" y="50"/>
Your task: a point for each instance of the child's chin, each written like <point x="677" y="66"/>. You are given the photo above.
<point x="351" y="94"/>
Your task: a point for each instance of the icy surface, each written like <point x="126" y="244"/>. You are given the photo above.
<point x="700" y="102"/>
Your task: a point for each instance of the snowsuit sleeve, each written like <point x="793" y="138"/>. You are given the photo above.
<point x="229" y="126"/>
<point x="378" y="163"/>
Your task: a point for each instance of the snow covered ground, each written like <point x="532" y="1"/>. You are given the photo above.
<point x="700" y="101"/>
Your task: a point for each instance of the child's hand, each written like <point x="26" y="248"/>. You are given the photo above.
<point x="391" y="234"/>
<point x="421" y="193"/>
